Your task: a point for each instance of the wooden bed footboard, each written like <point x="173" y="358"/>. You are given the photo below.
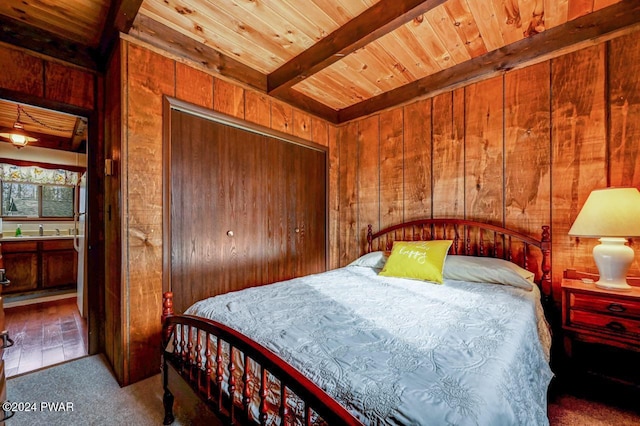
<point x="241" y="381"/>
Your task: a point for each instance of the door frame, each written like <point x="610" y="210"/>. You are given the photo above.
<point x="95" y="193"/>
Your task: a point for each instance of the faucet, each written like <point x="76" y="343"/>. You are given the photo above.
<point x="40" y="230"/>
<point x="57" y="231"/>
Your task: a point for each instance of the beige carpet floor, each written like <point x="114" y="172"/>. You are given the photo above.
<point x="97" y="399"/>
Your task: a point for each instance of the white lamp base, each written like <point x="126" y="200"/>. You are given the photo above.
<point x="613" y="259"/>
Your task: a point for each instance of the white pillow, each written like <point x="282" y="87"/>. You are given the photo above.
<point x="375" y="259"/>
<point x="487" y="270"/>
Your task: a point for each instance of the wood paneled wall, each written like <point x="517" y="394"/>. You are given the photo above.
<point x="147" y="77"/>
<point x="521" y="150"/>
<point x="40" y="81"/>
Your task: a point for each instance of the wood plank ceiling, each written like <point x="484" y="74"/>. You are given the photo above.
<point x="54" y="130"/>
<point x="338" y="59"/>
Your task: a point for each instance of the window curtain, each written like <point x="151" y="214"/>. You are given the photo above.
<point x="38" y="175"/>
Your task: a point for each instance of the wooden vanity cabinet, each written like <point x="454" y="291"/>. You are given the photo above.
<point x="39" y="265"/>
<point x="21" y="265"/>
<point x="59" y="263"/>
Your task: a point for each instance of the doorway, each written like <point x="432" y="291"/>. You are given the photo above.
<point x="43" y="199"/>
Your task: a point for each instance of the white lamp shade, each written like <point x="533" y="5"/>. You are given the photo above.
<point x="609" y="212"/>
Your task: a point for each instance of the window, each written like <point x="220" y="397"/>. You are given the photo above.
<point x="26" y="200"/>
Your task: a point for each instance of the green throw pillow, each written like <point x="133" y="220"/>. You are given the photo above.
<point x="423" y="260"/>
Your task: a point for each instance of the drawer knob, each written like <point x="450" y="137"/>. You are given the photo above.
<point x="616" y="326"/>
<point x="616" y="307"/>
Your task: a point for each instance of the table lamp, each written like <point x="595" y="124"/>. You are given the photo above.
<point x="612" y="215"/>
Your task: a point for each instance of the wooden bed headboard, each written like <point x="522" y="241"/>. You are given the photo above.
<point x="471" y="238"/>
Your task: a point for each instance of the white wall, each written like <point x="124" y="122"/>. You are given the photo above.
<point x="42" y="155"/>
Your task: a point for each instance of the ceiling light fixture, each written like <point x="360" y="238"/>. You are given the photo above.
<point x="18" y="137"/>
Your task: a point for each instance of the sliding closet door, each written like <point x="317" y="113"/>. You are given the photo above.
<point x="218" y="228"/>
<point x="246" y="209"/>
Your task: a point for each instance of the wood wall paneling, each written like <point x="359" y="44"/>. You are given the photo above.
<point x="21" y="72"/>
<point x="194" y="86"/>
<point x="624" y="121"/>
<point x="319" y="131"/>
<point x="228" y="98"/>
<point x="417" y="160"/>
<point x="281" y="117"/>
<point x="448" y="155"/>
<point x="150" y="76"/>
<point x="348" y="193"/>
<point x="301" y="124"/>
<point x="368" y="163"/>
<point x="391" y="167"/>
<point x="484" y="178"/>
<point x="578" y="150"/>
<point x="527" y="149"/>
<point x="257" y="108"/>
<point x="69" y="85"/>
<point x="334" y="198"/>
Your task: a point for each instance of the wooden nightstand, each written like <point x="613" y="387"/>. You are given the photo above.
<point x="594" y="315"/>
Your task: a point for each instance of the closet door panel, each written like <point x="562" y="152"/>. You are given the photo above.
<point x="307" y="204"/>
<point x="277" y="217"/>
<point x="246" y="172"/>
<point x="197" y="209"/>
<point x="246" y="209"/>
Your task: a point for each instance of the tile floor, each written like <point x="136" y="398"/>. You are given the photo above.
<point x="44" y="334"/>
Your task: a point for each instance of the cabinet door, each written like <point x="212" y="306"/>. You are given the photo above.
<point x="59" y="268"/>
<point x="22" y="271"/>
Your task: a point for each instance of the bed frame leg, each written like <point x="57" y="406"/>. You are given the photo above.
<point x="167" y="401"/>
<point x="167" y="398"/>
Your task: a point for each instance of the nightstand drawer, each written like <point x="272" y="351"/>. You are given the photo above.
<point x="603" y="304"/>
<point x="606" y="323"/>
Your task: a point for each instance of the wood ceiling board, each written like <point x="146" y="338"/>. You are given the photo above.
<point x="578" y="8"/>
<point x="173" y="42"/>
<point x="80" y="21"/>
<point x="336" y="89"/>
<point x="414" y="58"/>
<point x="231" y="38"/>
<point x="55" y="123"/>
<point x="599" y="4"/>
<point x="594" y="27"/>
<point x="378" y="20"/>
<point x="485" y="17"/>
<point x="423" y="42"/>
<point x="466" y="27"/>
<point x="447" y="32"/>
<point x="555" y="12"/>
<point x="53" y="129"/>
<point x="20" y="34"/>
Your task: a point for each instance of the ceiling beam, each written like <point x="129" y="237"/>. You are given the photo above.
<point x="380" y="19"/>
<point x="120" y="18"/>
<point x="585" y="31"/>
<point x="21" y="34"/>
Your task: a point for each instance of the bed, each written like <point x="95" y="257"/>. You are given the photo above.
<point x="363" y="345"/>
